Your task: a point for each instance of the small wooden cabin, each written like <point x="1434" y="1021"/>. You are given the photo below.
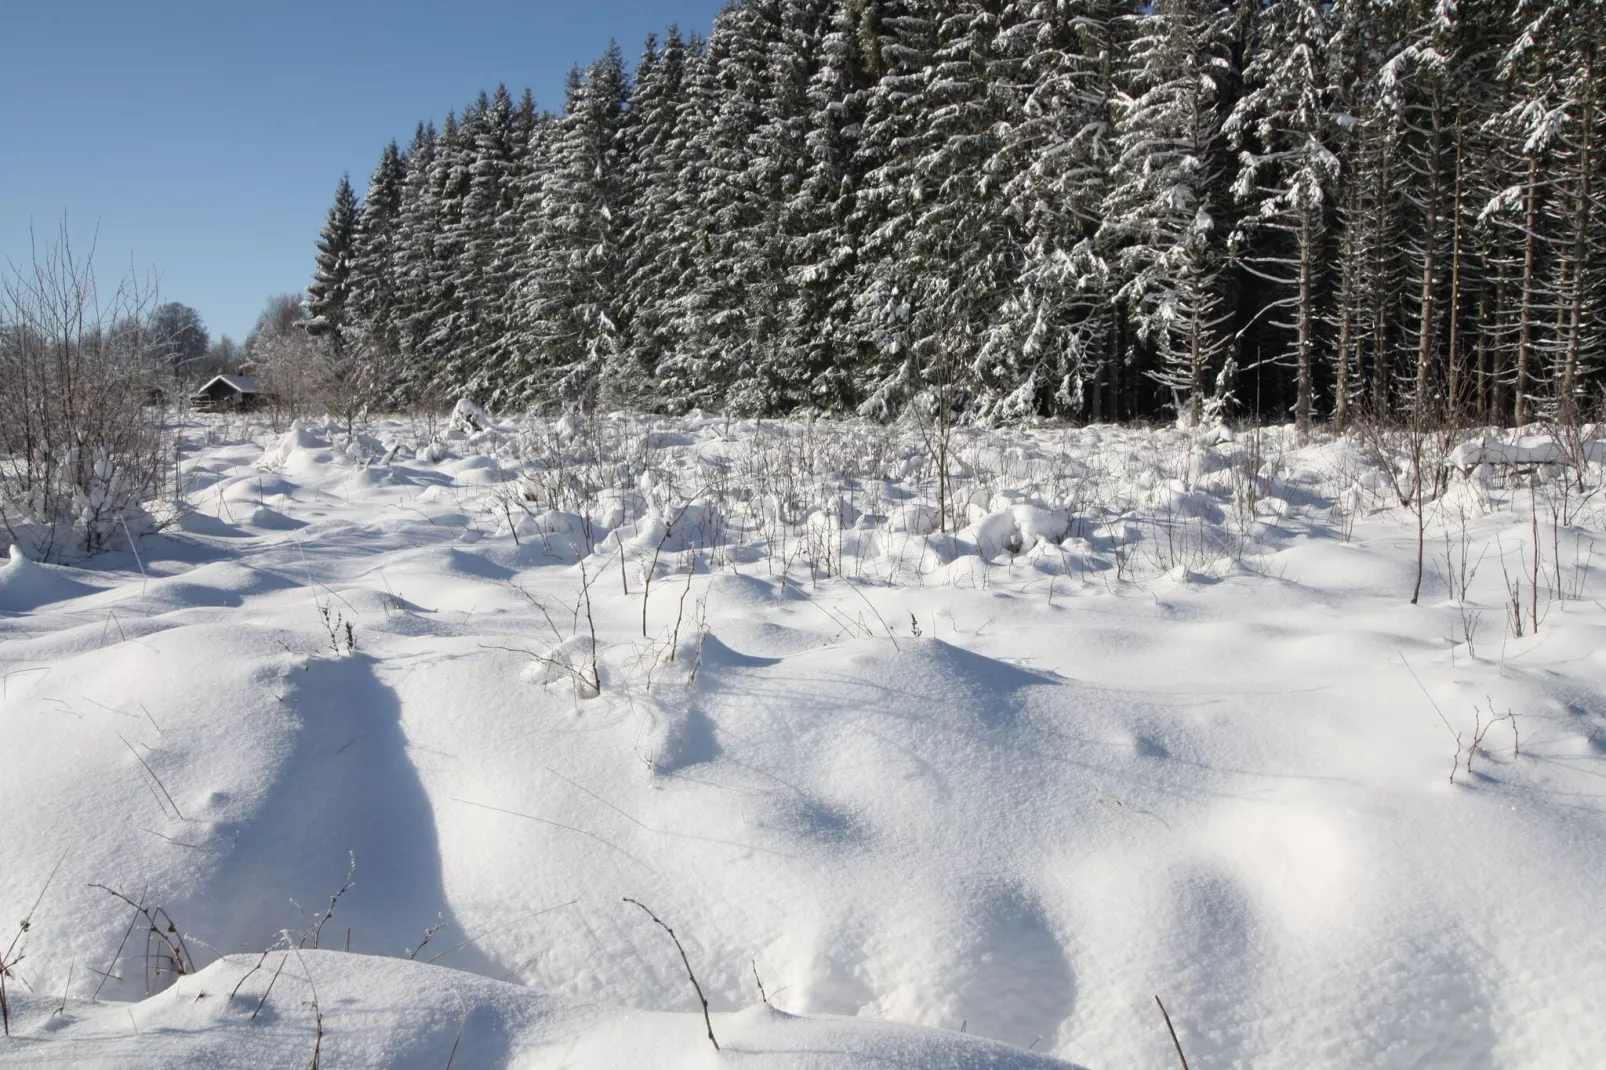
<point x="229" y="393"/>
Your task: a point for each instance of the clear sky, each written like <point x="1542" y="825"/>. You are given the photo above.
<point x="204" y="138"/>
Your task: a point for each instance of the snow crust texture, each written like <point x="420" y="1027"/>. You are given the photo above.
<point x="953" y="771"/>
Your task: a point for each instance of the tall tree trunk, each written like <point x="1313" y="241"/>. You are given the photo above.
<point x="1346" y="318"/>
<point x="1380" y="324"/>
<point x="1424" y="341"/>
<point x="1568" y="412"/>
<point x="1483" y="359"/>
<point x="1525" y="327"/>
<point x="1306" y="251"/>
<point x="1454" y="408"/>
<point x="1430" y="249"/>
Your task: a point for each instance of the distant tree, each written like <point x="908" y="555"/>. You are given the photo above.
<point x="178" y="338"/>
<point x="282" y="314"/>
<point x="225" y="357"/>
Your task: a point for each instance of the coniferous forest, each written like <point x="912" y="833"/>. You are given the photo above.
<point x="1307" y="210"/>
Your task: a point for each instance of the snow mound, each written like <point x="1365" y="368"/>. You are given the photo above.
<point x="26" y="584"/>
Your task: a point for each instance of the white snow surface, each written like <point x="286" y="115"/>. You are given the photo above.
<point x="1158" y="718"/>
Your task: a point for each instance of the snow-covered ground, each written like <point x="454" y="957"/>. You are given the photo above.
<point x="1158" y="718"/>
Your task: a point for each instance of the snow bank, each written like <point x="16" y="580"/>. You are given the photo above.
<point x="377" y="1012"/>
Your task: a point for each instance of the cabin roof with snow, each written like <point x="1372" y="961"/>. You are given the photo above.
<point x="240" y="384"/>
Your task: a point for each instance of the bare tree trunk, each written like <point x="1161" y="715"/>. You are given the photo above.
<point x="1195" y="370"/>
<point x="1483" y="359"/>
<point x="1568" y="412"/>
<point x="1457" y="383"/>
<point x="1380" y="326"/>
<point x="1424" y="342"/>
<point x="1306" y="251"/>
<point x="1498" y="357"/>
<point x="1345" y="320"/>
<point x="1430" y="250"/>
<point x="1525" y="327"/>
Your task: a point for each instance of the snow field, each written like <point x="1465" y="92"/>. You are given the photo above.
<point x="1145" y="712"/>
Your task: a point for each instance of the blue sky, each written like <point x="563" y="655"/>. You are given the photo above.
<point x="204" y="138"/>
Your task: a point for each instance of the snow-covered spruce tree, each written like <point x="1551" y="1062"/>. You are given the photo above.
<point x="720" y="345"/>
<point x="375" y="283"/>
<point x="568" y="301"/>
<point x="1163" y="222"/>
<point x="442" y="306"/>
<point x="964" y="245"/>
<point x="1059" y="314"/>
<point x="652" y="157"/>
<point x="820" y="219"/>
<point x="524" y="237"/>
<point x="677" y="300"/>
<point x="1347" y="312"/>
<point x="414" y="257"/>
<point x="778" y="167"/>
<point x="1526" y="135"/>
<point x="1478" y="35"/>
<point x="1416" y="94"/>
<point x="484" y="278"/>
<point x="889" y="201"/>
<point x="1372" y="275"/>
<point x="329" y="293"/>
<point x="493" y="377"/>
<point x="1286" y="129"/>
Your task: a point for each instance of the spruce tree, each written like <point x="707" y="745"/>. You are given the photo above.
<point x="375" y="286"/>
<point x="329" y="294"/>
<point x="1286" y="131"/>
<point x="1164" y="214"/>
<point x="567" y="302"/>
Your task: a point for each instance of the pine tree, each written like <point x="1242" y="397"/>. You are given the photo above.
<point x="902" y="39"/>
<point x="329" y="294"/>
<point x="568" y="302"/>
<point x="965" y="246"/>
<point x="1163" y="213"/>
<point x="824" y="241"/>
<point x="1285" y="129"/>
<point x="375" y="283"/>
<point x="651" y="151"/>
<point x="1059" y="314"/>
<point x="443" y="307"/>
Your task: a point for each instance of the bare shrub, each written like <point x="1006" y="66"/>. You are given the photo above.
<point x="84" y="435"/>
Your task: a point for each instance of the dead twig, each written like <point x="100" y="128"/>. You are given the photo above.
<point x="687" y="963"/>
<point x="1173" y="1031"/>
<point x="12" y="956"/>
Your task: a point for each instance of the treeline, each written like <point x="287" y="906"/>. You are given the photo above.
<point x="1086" y="209"/>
